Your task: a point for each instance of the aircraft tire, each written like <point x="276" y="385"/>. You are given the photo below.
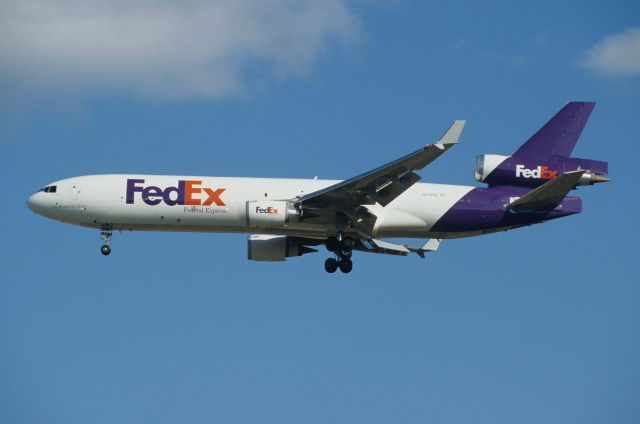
<point x="331" y="244"/>
<point x="346" y="266"/>
<point x="105" y="249"/>
<point x="330" y="265"/>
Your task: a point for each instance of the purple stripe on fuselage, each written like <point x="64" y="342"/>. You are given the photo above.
<point x="484" y="209"/>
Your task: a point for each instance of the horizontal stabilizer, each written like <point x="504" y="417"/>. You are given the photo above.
<point x="548" y="195"/>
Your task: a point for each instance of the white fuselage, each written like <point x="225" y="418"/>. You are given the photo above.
<point x="219" y="204"/>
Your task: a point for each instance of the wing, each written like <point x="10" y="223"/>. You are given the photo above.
<point x="388" y="248"/>
<point x="382" y="184"/>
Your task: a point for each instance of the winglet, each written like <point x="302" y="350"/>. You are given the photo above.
<point x="452" y="135"/>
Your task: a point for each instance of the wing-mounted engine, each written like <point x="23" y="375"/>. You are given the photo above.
<point x="508" y="170"/>
<point x="264" y="247"/>
<point x="270" y="213"/>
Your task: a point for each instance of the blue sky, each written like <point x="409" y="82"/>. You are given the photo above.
<point x="535" y="325"/>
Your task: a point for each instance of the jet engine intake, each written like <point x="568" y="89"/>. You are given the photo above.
<point x="512" y="171"/>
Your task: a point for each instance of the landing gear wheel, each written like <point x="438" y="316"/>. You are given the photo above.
<point x="346" y="266"/>
<point x="331" y="265"/>
<point x="105" y="235"/>
<point x="347" y="243"/>
<point x="332" y="244"/>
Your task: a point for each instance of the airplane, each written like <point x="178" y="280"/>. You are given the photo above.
<point x="292" y="217"/>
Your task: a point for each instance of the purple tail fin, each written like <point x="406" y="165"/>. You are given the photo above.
<point x="558" y="137"/>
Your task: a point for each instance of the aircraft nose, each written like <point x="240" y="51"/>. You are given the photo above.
<point x="34" y="203"/>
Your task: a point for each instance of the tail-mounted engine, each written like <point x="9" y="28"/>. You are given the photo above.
<point x="507" y="170"/>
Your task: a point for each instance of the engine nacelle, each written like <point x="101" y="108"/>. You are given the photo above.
<point x="270" y="213"/>
<point x="264" y="247"/>
<point x="486" y="164"/>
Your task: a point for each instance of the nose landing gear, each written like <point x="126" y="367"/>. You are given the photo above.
<point x="105" y="235"/>
<point x="342" y="247"/>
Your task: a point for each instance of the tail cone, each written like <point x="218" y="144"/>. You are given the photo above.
<point x="591" y="178"/>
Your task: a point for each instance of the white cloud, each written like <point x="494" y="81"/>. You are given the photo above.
<point x="615" y="55"/>
<point x="166" y="49"/>
<point x="479" y="52"/>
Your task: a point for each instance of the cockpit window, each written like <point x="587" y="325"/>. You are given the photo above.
<point x="49" y="189"/>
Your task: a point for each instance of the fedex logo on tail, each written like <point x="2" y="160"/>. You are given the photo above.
<point x="541" y="172"/>
<point x="188" y="192"/>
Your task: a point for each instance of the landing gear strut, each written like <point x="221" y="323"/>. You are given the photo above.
<point x="105" y="235"/>
<point x="342" y="247"/>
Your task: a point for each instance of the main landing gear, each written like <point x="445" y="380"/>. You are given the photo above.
<point x="343" y="248"/>
<point x="105" y="235"/>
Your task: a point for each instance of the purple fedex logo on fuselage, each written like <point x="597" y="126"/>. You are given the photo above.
<point x="186" y="193"/>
